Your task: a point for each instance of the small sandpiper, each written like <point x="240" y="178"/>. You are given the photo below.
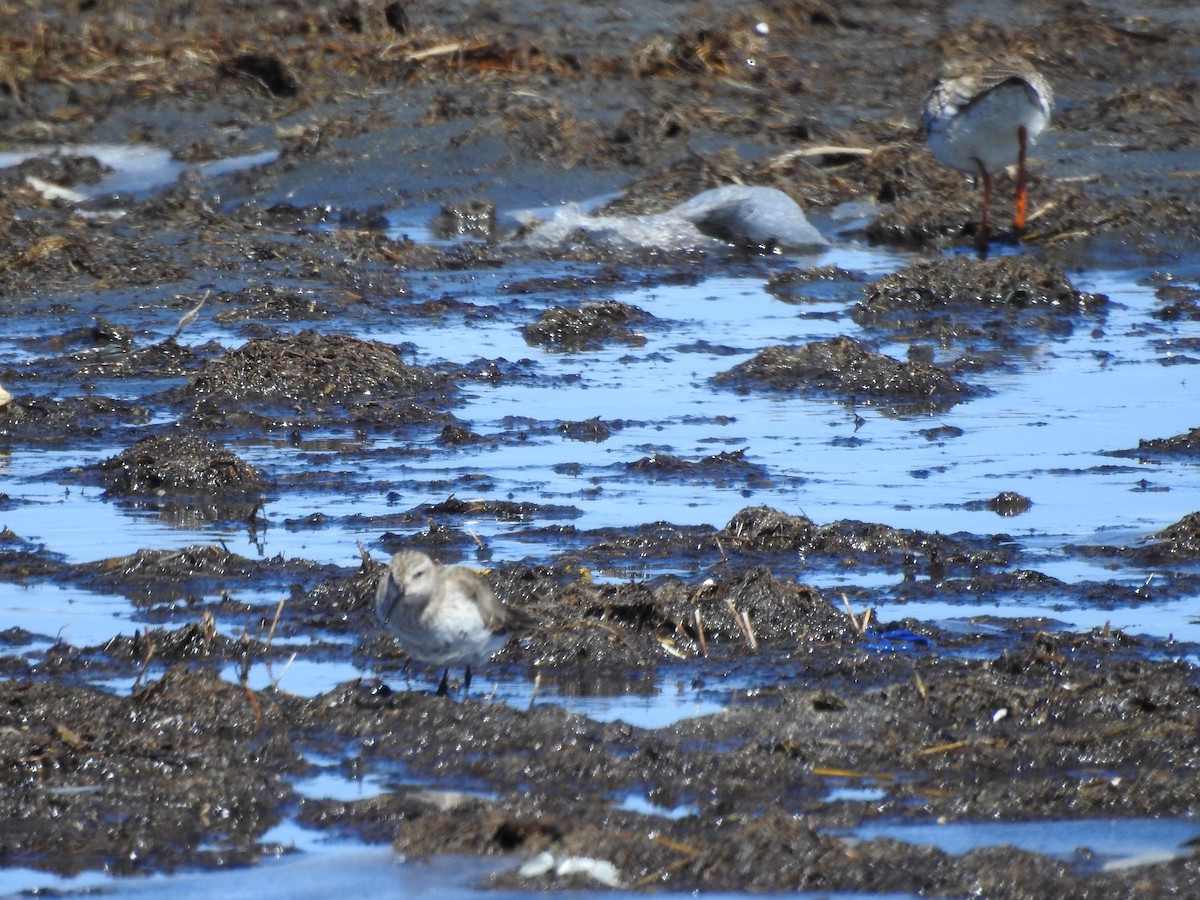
<point x="982" y="116"/>
<point x="443" y="615"/>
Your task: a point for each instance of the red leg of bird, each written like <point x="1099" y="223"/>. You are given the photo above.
<point x="982" y="236"/>
<point x="1022" y="195"/>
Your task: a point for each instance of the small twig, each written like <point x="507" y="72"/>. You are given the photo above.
<point x="477" y="539"/>
<point x="850" y="611"/>
<point x="831" y="772"/>
<point x="208" y="626"/>
<point x="274" y="624"/>
<point x="824" y="150"/>
<point x="827" y="150"/>
<point x="677" y="846"/>
<point x="668" y="644"/>
<point x="689" y="853"/>
<point x="750" y="631"/>
<point x="452" y="48"/>
<point x="1041" y="211"/>
<point x="537" y="683"/>
<point x="190" y="316"/>
<point x="742" y="621"/>
<point x="275" y="681"/>
<point x="137" y="682"/>
<point x="858" y="624"/>
<point x="944" y="748"/>
<point x="700" y="633"/>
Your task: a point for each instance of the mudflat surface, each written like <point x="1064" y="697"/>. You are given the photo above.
<point x="373" y="107"/>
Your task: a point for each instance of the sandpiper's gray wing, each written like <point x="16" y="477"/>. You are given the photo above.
<point x="962" y="83"/>
<point x="497" y="618"/>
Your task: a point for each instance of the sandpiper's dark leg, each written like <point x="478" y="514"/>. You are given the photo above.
<point x="1022" y="194"/>
<point x="444" y="688"/>
<point x="982" y="236"/>
<point x="466" y="682"/>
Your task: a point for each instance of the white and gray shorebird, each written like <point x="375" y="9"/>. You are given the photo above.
<point x="444" y="615"/>
<point x="981" y="116"/>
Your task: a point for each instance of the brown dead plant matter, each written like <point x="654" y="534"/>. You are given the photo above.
<point x="845" y="368"/>
<point x="588" y="326"/>
<point x="177" y="463"/>
<point x="308" y="367"/>
<point x="1008" y="282"/>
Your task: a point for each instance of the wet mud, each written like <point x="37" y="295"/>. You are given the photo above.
<point x="844" y="368"/>
<point x="187" y="766"/>
<point x="591" y="325"/>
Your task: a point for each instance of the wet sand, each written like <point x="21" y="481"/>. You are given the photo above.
<point x="520" y="105"/>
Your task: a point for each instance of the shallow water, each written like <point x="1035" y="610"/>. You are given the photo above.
<point x="317" y="865"/>
<point x="1111" y="843"/>
<point x="1043" y="433"/>
<point x="323" y="868"/>
<point x="134" y="170"/>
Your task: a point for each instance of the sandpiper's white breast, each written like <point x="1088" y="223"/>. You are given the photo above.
<point x="453" y="633"/>
<point x="444" y="615"/>
<point x="986" y="127"/>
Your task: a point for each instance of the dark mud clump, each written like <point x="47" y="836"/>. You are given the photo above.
<point x="722" y="469"/>
<point x="1181" y="540"/>
<point x="146" y="781"/>
<point x="788" y="285"/>
<point x="845" y="369"/>
<point x="941" y="433"/>
<point x="933" y="297"/>
<point x="500" y="510"/>
<point x="761" y="534"/>
<point x="177" y="464"/>
<point x="305" y="367"/>
<point x="319" y="376"/>
<point x="1006" y="503"/>
<point x="589" y="326"/>
<point x="265" y="302"/>
<point x="593" y="430"/>
<point x="618" y="627"/>
<point x="155" y="576"/>
<point x="761" y="529"/>
<point x="1179" y="302"/>
<point x="43" y="420"/>
<point x="62" y="170"/>
<point x="1186" y="445"/>
<point x="1177" y="543"/>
